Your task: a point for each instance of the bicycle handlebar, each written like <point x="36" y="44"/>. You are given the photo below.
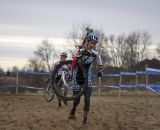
<point x="89" y="30"/>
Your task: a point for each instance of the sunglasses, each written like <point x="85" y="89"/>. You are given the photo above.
<point x="63" y="56"/>
<point x="93" y="43"/>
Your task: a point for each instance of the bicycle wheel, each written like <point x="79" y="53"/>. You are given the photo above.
<point x="81" y="80"/>
<point x="48" y="91"/>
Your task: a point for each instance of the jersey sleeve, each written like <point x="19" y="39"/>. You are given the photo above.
<point x="98" y="58"/>
<point x="55" y="65"/>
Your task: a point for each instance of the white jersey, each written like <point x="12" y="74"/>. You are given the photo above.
<point x="65" y="68"/>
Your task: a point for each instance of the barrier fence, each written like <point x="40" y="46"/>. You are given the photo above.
<point x="149" y="71"/>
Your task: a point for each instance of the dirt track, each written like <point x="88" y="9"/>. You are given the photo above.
<point x="107" y="113"/>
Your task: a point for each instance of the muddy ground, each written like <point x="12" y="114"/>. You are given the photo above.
<point x="107" y="113"/>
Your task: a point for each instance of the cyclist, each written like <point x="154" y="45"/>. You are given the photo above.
<point x="91" y="55"/>
<point x="59" y="79"/>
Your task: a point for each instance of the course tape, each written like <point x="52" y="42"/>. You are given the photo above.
<point x="152" y="71"/>
<point x="140" y="72"/>
<point x="149" y="71"/>
<point x="8" y="86"/>
<point x="33" y="73"/>
<point x="154" y="88"/>
<point x="127" y="73"/>
<point x="121" y="86"/>
<point x="30" y="87"/>
<point x="23" y="86"/>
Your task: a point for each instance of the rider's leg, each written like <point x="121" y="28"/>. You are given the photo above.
<point x="60" y="91"/>
<point x="87" y="95"/>
<point x="65" y="94"/>
<point x="76" y="90"/>
<point x="75" y="104"/>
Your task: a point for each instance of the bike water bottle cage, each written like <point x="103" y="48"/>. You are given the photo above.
<point x="93" y="38"/>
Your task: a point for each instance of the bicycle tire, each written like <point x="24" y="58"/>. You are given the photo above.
<point x="48" y="91"/>
<point x="85" y="74"/>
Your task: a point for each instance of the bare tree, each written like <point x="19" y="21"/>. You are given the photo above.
<point x="137" y="47"/>
<point x="15" y="68"/>
<point x="36" y="65"/>
<point x="145" y="43"/>
<point x="45" y="53"/>
<point x="1" y="71"/>
<point x="132" y="41"/>
<point x="117" y="49"/>
<point x="158" y="50"/>
<point x="128" y="50"/>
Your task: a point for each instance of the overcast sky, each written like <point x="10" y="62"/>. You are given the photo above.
<point x="24" y="23"/>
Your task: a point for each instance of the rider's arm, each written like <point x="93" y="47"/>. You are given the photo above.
<point x="100" y="64"/>
<point x="54" y="67"/>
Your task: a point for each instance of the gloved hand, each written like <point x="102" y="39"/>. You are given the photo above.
<point x="86" y="53"/>
<point x="99" y="74"/>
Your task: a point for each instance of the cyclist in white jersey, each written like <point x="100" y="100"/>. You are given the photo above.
<point x="65" y="70"/>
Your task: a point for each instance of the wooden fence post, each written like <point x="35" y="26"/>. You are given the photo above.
<point x="17" y="82"/>
<point x="99" y="83"/>
<point x="120" y="82"/>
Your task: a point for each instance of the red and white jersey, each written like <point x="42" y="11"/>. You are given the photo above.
<point x="88" y="59"/>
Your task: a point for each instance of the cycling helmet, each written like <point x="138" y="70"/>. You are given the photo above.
<point x="64" y="54"/>
<point x="92" y="37"/>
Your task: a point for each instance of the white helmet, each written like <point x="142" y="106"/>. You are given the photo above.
<point x="64" y="54"/>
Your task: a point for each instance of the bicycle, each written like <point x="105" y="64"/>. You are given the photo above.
<point x="61" y="82"/>
<point x="52" y="87"/>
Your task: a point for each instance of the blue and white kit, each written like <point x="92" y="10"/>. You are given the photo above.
<point x="87" y="61"/>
